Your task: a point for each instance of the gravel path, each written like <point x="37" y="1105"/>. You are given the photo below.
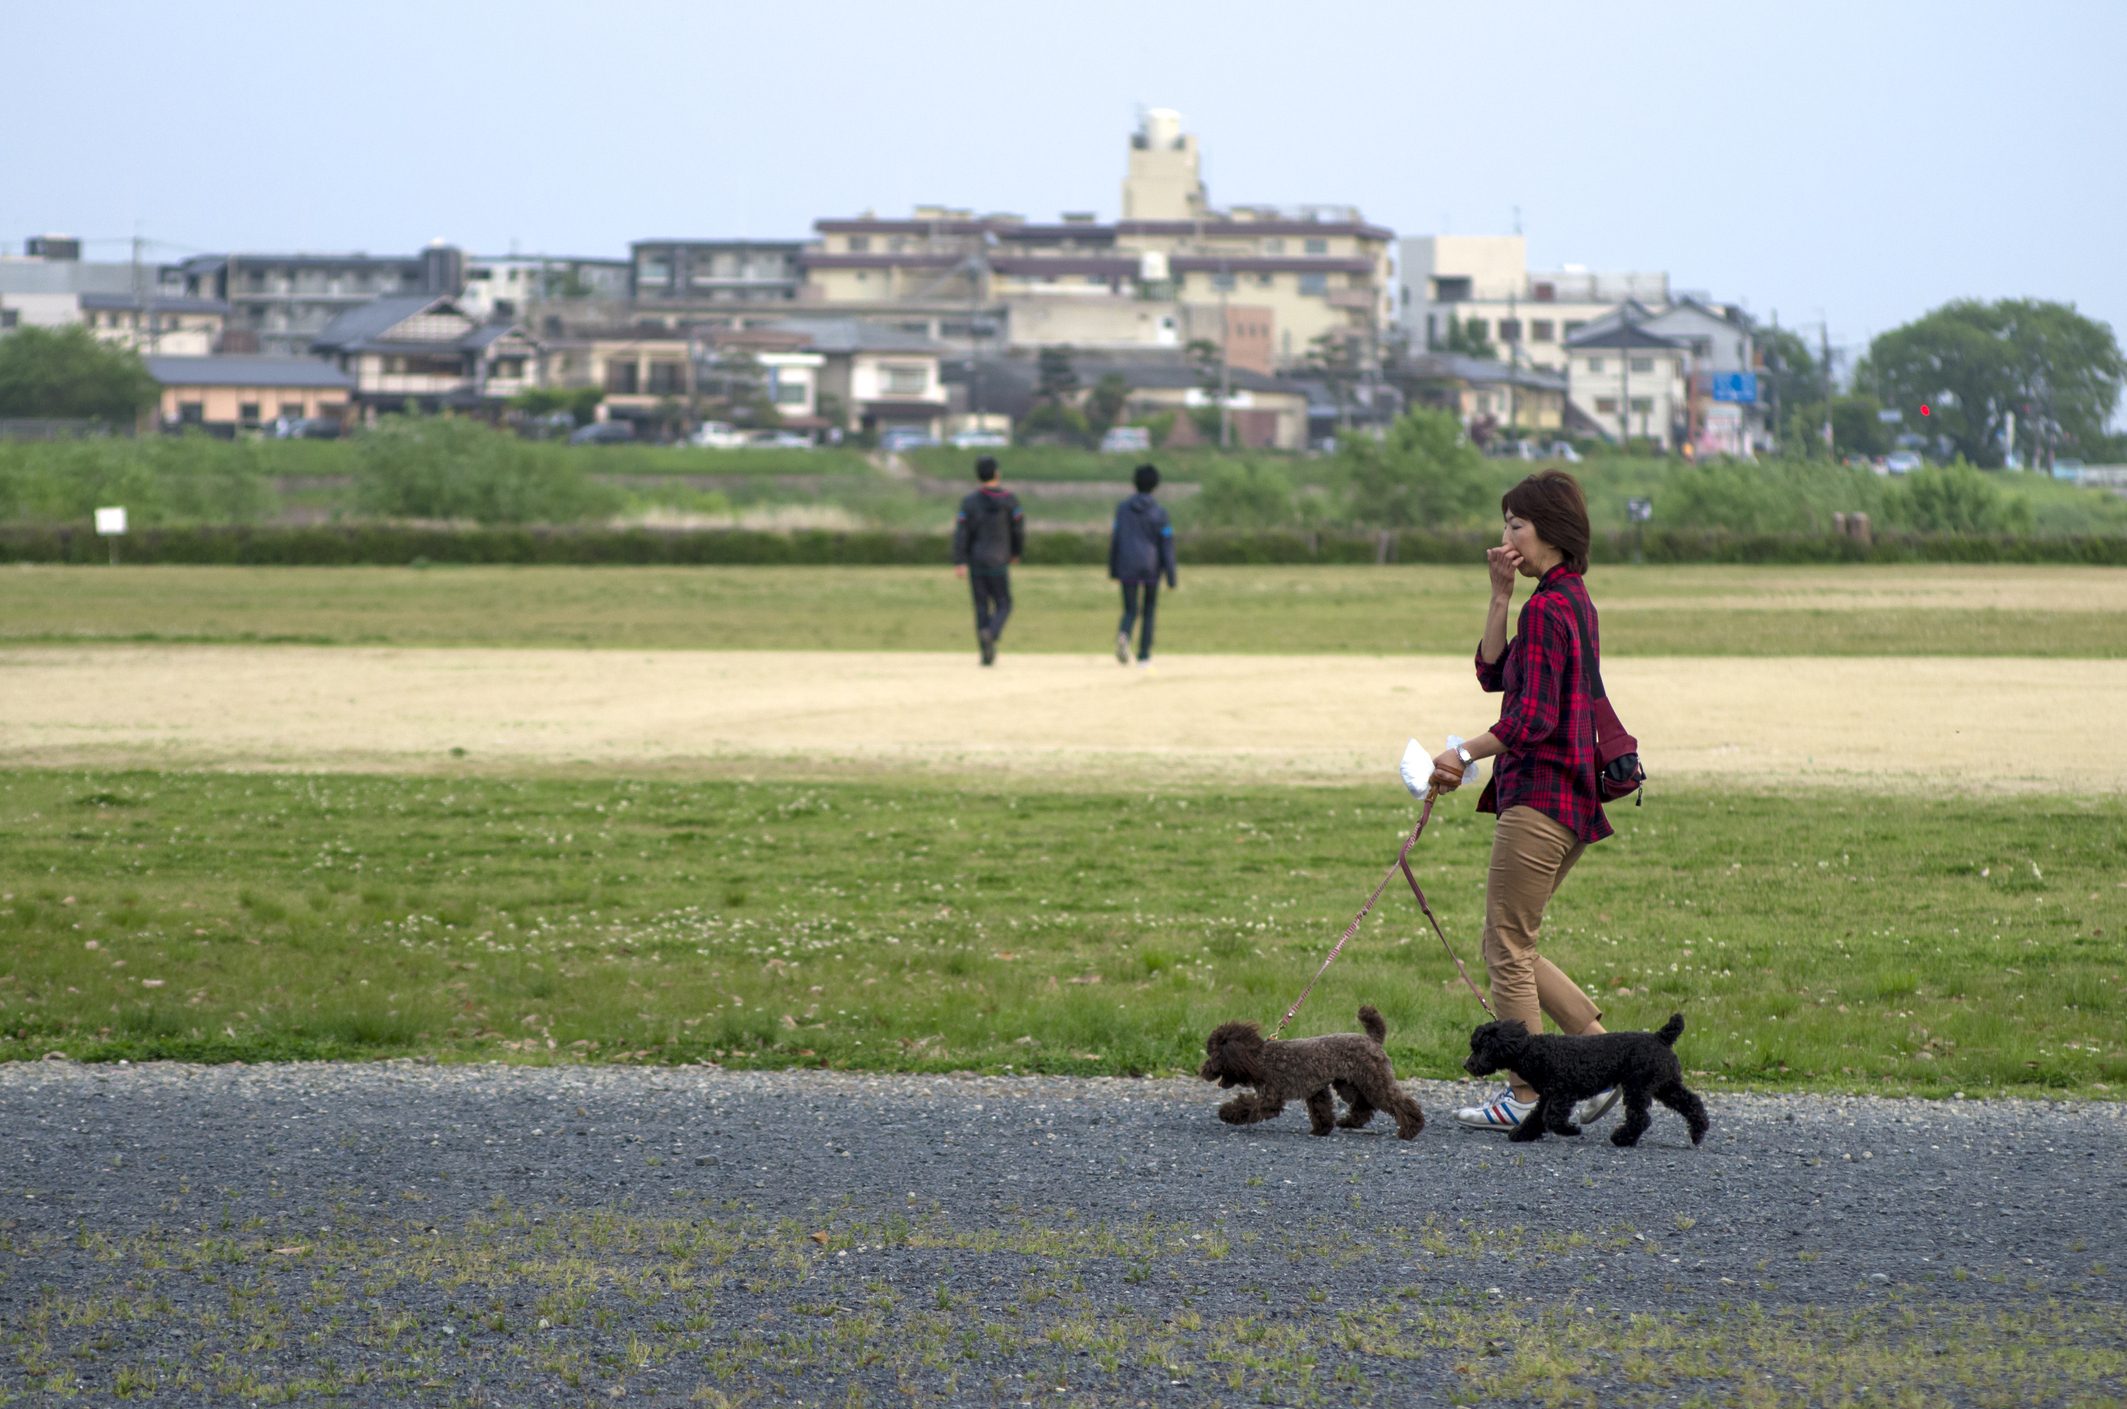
<point x="407" y="1233"/>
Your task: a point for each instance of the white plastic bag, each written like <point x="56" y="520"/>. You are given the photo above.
<point x="1417" y="767"/>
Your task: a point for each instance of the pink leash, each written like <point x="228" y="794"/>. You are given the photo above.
<point x="1403" y="864"/>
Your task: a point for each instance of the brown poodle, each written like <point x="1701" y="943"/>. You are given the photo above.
<point x="1305" y="1069"/>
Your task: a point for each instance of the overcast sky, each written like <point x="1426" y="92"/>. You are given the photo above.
<point x="1859" y="162"/>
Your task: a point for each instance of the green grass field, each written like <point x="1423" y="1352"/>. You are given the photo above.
<point x="1842" y="944"/>
<point x="1826" y="611"/>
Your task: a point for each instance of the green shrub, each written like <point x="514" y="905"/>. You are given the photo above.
<point x="1954" y="498"/>
<point x="1422" y="474"/>
<point x="1250" y="494"/>
<point x="157" y="479"/>
<point x="447" y="467"/>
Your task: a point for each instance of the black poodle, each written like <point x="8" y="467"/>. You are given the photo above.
<point x="1568" y="1069"/>
<point x="1306" y="1069"/>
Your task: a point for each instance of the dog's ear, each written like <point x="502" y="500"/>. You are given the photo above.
<point x="1241" y="1054"/>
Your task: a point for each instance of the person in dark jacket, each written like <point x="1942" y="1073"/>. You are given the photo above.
<point x="988" y="537"/>
<point x="1140" y="553"/>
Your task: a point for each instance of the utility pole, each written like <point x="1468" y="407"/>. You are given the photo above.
<point x="1225" y="333"/>
<point x="1824" y="346"/>
<point x="1624" y="370"/>
<point x="974" y="344"/>
<point x="1514" y="351"/>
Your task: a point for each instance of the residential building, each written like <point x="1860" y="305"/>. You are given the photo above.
<point x="1630" y="382"/>
<point x="1485" y="280"/>
<point x="714" y="276"/>
<point x="1263" y="412"/>
<point x="425" y="351"/>
<point x="282" y="303"/>
<point x="873" y="377"/>
<point x="652" y="373"/>
<point x="172" y="325"/>
<point x="43" y="286"/>
<point x="1487" y="396"/>
<point x="224" y="395"/>
<point x="520" y="286"/>
<point x="1163" y="274"/>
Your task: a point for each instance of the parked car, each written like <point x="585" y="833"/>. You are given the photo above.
<point x="1563" y="450"/>
<point x="717" y="435"/>
<point x="895" y="439"/>
<point x="779" y="440"/>
<point x="1125" y="440"/>
<point x="306" y="428"/>
<point x="1901" y="462"/>
<point x="2070" y="470"/>
<point x="978" y="440"/>
<point x="604" y="433"/>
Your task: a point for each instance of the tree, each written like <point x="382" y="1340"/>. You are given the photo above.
<point x="1796" y="388"/>
<point x="581" y="403"/>
<point x="1106" y="403"/>
<point x="1857" y="426"/>
<point x="1055" y="379"/>
<point x="1467" y="337"/>
<point x="1334" y="358"/>
<point x="1974" y="364"/>
<point x="65" y="373"/>
<point x="1422" y="474"/>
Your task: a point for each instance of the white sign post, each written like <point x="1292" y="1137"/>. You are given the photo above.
<point x="111" y="525"/>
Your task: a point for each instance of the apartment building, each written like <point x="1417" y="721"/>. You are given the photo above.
<point x="43" y="287"/>
<point x="1484" y="282"/>
<point x="170" y="325"/>
<point x="521" y="286"/>
<point x="715" y="276"/>
<point x="1171" y="269"/>
<point x="279" y="304"/>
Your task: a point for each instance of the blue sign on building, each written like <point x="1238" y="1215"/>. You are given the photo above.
<point x="1736" y="386"/>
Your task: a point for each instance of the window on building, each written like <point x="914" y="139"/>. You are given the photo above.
<point x="192" y="413"/>
<point x="668" y="378"/>
<point x="1542" y="330"/>
<point x="858" y="244"/>
<point x="1642" y="405"/>
<point x="1592" y="365"/>
<point x="1606" y="406"/>
<point x="292" y="410"/>
<point x="1317" y="246"/>
<point x="657" y="272"/>
<point x="1477" y="327"/>
<point x="247" y="412"/>
<point x="1264" y="281"/>
<point x="1572" y="326"/>
<point x="790" y="393"/>
<point x="1273" y="247"/>
<point x="621" y="379"/>
<point x="1316" y="285"/>
<point x="1643" y="364"/>
<point x="905" y="380"/>
<point x="1510" y="330"/>
<point x="1223" y="281"/>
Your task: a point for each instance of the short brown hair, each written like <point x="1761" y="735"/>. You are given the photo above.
<point x="1553" y="505"/>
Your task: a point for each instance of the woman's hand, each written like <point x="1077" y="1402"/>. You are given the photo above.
<point x="1504" y="563"/>
<point x="1447" y="770"/>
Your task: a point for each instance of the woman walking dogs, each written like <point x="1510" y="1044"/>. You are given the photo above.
<point x="1545" y="789"/>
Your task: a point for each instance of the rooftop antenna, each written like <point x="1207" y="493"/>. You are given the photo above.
<point x="1517" y="220"/>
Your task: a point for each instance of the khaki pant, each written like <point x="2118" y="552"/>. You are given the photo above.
<point x="1530" y="857"/>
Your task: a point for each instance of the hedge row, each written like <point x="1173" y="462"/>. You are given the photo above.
<point x="386" y="544"/>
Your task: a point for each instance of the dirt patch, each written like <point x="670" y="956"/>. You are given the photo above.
<point x="1892" y="725"/>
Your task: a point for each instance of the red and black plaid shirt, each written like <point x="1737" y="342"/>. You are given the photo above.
<point x="1547" y="724"/>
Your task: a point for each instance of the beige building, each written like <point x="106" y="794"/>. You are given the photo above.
<point x="1515" y="401"/>
<point x="225" y="395"/>
<point x="1626" y="371"/>
<point x="1168" y="271"/>
<point x="1485" y="280"/>
<point x="172" y="326"/>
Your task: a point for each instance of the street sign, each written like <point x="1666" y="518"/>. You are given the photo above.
<point x="1639" y="510"/>
<point x="110" y="521"/>
<point x="1736" y="386"/>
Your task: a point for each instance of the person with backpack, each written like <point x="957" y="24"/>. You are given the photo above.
<point x="1140" y="553"/>
<point x="989" y="537"/>
<point x="1548" y="786"/>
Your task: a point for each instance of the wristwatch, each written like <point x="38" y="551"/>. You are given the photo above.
<point x="1464" y="754"/>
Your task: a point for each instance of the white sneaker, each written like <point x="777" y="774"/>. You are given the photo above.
<point x="1502" y="1113"/>
<point x="1595" y="1107"/>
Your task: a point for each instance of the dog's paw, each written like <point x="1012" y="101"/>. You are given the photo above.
<point x="1624" y="1139"/>
<point x="1525" y="1132"/>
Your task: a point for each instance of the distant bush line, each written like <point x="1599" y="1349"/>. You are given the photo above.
<point x="397" y="546"/>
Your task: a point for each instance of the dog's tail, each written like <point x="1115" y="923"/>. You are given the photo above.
<point x="1671" y="1030"/>
<point x="1371" y="1021"/>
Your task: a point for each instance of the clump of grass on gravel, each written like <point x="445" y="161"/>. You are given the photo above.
<point x="1926" y="945"/>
